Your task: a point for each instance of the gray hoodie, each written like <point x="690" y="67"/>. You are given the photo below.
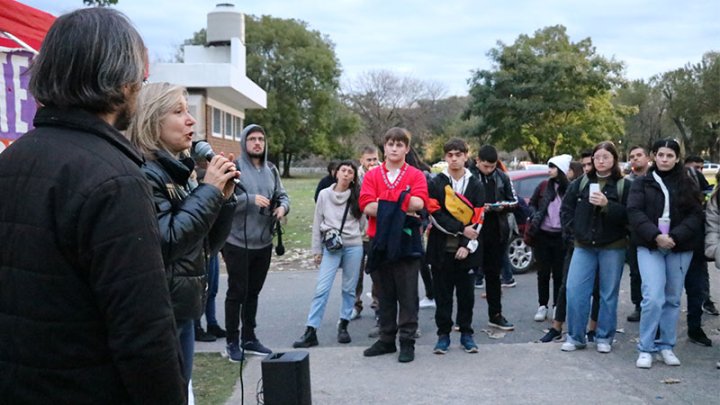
<point x="250" y="221"/>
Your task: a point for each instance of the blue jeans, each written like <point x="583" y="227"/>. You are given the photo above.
<point x="349" y="258"/>
<point x="663" y="277"/>
<point x="186" y="335"/>
<point x="584" y="265"/>
<point x="213" y="270"/>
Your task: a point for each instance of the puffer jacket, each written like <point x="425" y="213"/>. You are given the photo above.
<point x="590" y="225"/>
<point x="712" y="229"/>
<point x="193" y="226"/>
<point x="646" y="203"/>
<point x="85" y="314"/>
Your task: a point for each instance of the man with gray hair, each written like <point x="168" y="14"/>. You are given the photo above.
<point x="85" y="314"/>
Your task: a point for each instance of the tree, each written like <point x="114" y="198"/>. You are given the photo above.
<point x="651" y="121"/>
<point x="384" y="100"/>
<point x="546" y="95"/>
<point x="298" y="69"/>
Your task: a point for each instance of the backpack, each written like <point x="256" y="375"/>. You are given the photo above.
<point x="620" y="185"/>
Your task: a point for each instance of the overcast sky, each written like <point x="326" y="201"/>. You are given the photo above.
<point x="444" y="41"/>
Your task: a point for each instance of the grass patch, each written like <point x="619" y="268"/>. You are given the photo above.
<point x="214" y="378"/>
<point x="298" y="230"/>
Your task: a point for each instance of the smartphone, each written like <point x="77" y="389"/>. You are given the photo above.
<point x="594" y="188"/>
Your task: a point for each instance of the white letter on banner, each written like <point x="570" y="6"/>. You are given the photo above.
<point x="3" y="95"/>
<point x="19" y="61"/>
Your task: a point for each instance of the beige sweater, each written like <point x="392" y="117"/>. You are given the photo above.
<point x="329" y="211"/>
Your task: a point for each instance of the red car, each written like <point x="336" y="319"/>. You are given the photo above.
<point x="525" y="183"/>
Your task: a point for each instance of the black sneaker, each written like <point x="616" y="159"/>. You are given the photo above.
<point x="255" y="347"/>
<point x="233" y="353"/>
<point x="551" y="335"/>
<point x="379" y="348"/>
<point x="590" y="336"/>
<point x="216" y="331"/>
<point x="407" y="351"/>
<point x="698" y="336"/>
<point x="634" y="315"/>
<point x="499" y="321"/>
<point x="709" y="308"/>
<point x="202" y="336"/>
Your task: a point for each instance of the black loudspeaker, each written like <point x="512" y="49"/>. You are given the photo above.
<point x="286" y="378"/>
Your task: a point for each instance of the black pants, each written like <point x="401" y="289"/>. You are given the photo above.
<point x="397" y="284"/>
<point x="697" y="287"/>
<point x="451" y="277"/>
<point x="550" y="255"/>
<point x="247" y="270"/>
<point x="561" y="304"/>
<point x="635" y="279"/>
<point x="427" y="279"/>
<point x="493" y="248"/>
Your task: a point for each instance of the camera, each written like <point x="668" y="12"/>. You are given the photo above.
<point x="332" y="240"/>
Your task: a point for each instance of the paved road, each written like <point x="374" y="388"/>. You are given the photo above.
<point x="511" y="369"/>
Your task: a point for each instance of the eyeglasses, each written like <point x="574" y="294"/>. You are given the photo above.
<point x="602" y="158"/>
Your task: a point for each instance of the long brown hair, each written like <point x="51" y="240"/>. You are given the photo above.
<point x="615" y="172"/>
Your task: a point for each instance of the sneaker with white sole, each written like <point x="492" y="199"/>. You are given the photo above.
<point x="355" y="314"/>
<point x="508" y="284"/>
<point x="644" y="360"/>
<point x="541" y="313"/>
<point x="603" y="348"/>
<point x="669" y="357"/>
<point x="427" y="303"/>
<point x="571" y="347"/>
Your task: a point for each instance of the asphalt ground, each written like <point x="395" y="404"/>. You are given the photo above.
<point x="509" y="368"/>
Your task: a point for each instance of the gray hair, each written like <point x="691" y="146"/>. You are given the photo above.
<point x="154" y="102"/>
<point x="86" y="60"/>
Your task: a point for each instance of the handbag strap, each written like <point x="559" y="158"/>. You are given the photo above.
<point x="347" y="207"/>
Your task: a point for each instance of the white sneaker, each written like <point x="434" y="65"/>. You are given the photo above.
<point x="644" y="360"/>
<point x="427" y="303"/>
<point x="603" y="348"/>
<point x="541" y="313"/>
<point x="570" y="347"/>
<point x="355" y="314"/>
<point x="669" y="357"/>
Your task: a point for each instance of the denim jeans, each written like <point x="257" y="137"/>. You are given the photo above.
<point x="585" y="264"/>
<point x="663" y="275"/>
<point x="186" y="335"/>
<point x="349" y="258"/>
<point x="213" y="270"/>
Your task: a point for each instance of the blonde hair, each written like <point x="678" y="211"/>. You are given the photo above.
<point x="154" y="102"/>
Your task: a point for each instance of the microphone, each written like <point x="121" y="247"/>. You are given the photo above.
<point x="204" y="150"/>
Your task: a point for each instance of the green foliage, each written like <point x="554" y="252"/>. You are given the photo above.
<point x="214" y="378"/>
<point x="546" y="95"/>
<point x="298" y="69"/>
<point x="298" y="229"/>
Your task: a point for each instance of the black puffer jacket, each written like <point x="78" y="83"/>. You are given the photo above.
<point x="647" y="201"/>
<point x="85" y="313"/>
<point x="588" y="224"/>
<point x="193" y="226"/>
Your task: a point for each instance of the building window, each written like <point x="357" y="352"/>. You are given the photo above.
<point x="228" y="125"/>
<point x="238" y="128"/>
<point x="217" y="123"/>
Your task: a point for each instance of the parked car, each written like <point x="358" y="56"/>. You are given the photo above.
<point x="710" y="170"/>
<point x="525" y="182"/>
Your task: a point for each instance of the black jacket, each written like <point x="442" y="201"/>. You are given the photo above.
<point x="646" y="203"/>
<point x="437" y="240"/>
<point x="504" y="192"/>
<point x="543" y="195"/>
<point x="591" y="225"/>
<point x="85" y="313"/>
<point x="193" y="226"/>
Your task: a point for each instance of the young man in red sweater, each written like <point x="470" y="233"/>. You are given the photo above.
<point x="396" y="250"/>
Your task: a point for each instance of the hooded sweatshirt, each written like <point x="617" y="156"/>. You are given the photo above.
<point x="250" y="220"/>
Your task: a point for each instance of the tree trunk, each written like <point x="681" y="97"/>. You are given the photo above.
<point x="287" y="159"/>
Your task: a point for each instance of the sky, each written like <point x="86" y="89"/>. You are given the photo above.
<point x="444" y="41"/>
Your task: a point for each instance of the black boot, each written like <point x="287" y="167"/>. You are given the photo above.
<point x="407" y="350"/>
<point x="309" y="339"/>
<point x="343" y="335"/>
<point x="202" y="336"/>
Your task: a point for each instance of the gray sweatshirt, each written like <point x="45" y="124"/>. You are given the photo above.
<point x="265" y="180"/>
<point x="329" y="211"/>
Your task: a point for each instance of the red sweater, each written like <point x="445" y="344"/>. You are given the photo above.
<point x="375" y="187"/>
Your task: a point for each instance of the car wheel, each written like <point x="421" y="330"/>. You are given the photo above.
<point x="520" y="255"/>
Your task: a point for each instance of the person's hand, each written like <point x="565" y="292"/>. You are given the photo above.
<point x="220" y="174"/>
<point x="318" y="259"/>
<point x="279" y="212"/>
<point x="462" y="253"/>
<point x="665" y="241"/>
<point x="470" y="232"/>
<point x="598" y="198"/>
<point x="261" y="201"/>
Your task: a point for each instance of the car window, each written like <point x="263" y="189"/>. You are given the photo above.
<point x="525" y="187"/>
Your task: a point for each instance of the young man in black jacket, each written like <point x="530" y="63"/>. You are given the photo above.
<point x="500" y="199"/>
<point x="85" y="314"/>
<point x="453" y="249"/>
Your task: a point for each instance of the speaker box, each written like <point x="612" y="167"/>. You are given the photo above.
<point x="286" y="378"/>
